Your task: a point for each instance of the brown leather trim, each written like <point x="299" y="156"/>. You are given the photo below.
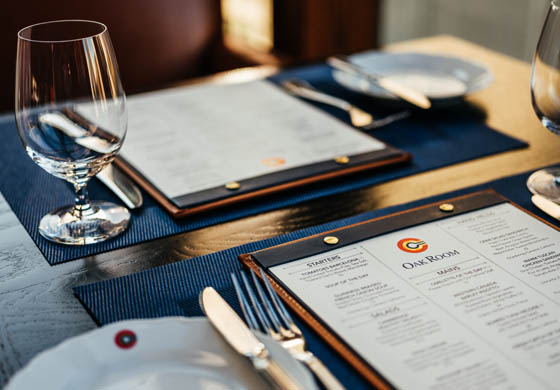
<point x="451" y="200"/>
<point x="177" y="212"/>
<point x="362" y="367"/>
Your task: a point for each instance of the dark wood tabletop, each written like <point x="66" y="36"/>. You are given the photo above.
<point x="38" y="309"/>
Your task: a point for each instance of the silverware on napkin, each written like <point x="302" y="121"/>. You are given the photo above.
<point x="402" y="91"/>
<point x="233" y="329"/>
<point x="268" y="313"/>
<point x="358" y="117"/>
<point x="548" y="206"/>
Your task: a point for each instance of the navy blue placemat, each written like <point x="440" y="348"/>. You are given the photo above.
<point x="173" y="289"/>
<point x="434" y="139"/>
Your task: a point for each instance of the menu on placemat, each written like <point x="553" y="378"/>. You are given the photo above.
<point x="191" y="139"/>
<point x="466" y="302"/>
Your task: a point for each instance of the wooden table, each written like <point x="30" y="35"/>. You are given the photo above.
<point x="38" y="309"/>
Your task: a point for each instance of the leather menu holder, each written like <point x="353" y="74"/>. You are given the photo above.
<point x="269" y="184"/>
<point x="306" y="250"/>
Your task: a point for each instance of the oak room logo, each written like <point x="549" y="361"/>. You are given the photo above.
<point x="412" y="245"/>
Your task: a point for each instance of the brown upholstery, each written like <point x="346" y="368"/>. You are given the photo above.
<point x="157" y="42"/>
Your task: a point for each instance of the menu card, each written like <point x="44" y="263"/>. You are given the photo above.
<point x="470" y="301"/>
<point x="195" y="138"/>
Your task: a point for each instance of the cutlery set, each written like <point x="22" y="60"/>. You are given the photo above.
<point x="358" y="117"/>
<point x="264" y="312"/>
<point x="397" y="89"/>
<point x="233" y="329"/>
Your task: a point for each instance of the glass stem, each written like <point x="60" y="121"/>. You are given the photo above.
<point x="82" y="207"/>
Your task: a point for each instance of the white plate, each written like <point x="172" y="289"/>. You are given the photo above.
<point x="440" y="78"/>
<point x="167" y="353"/>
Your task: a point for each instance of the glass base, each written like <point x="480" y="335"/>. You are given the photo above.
<point x="546" y="182"/>
<point x="105" y="220"/>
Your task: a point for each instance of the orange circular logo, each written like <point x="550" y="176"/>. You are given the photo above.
<point x="412" y="245"/>
<point x="273" y="161"/>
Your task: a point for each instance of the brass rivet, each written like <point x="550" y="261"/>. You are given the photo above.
<point x="342" y="160"/>
<point x="331" y="240"/>
<point x="233" y="185"/>
<point x="447" y="207"/>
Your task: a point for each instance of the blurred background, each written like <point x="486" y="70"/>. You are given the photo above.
<point x="508" y="26"/>
<point x="164" y="42"/>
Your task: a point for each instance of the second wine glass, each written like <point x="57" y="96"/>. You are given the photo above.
<point x="71" y="115"/>
<point x="545" y="96"/>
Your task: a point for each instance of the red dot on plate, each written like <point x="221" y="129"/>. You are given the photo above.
<point x="125" y="339"/>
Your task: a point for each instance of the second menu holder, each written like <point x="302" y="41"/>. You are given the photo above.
<point x="204" y="146"/>
<point x="458" y="294"/>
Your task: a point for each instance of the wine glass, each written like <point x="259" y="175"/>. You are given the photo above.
<point x="545" y="95"/>
<point x="71" y="116"/>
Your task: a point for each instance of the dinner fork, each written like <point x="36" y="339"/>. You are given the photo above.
<point x="358" y="117"/>
<point x="267" y="313"/>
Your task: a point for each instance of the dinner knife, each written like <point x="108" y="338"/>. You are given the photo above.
<point x="402" y="91"/>
<point x="548" y="206"/>
<point x="226" y="321"/>
<point x="121" y="185"/>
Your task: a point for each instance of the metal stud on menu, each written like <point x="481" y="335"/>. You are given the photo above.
<point x="433" y="299"/>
